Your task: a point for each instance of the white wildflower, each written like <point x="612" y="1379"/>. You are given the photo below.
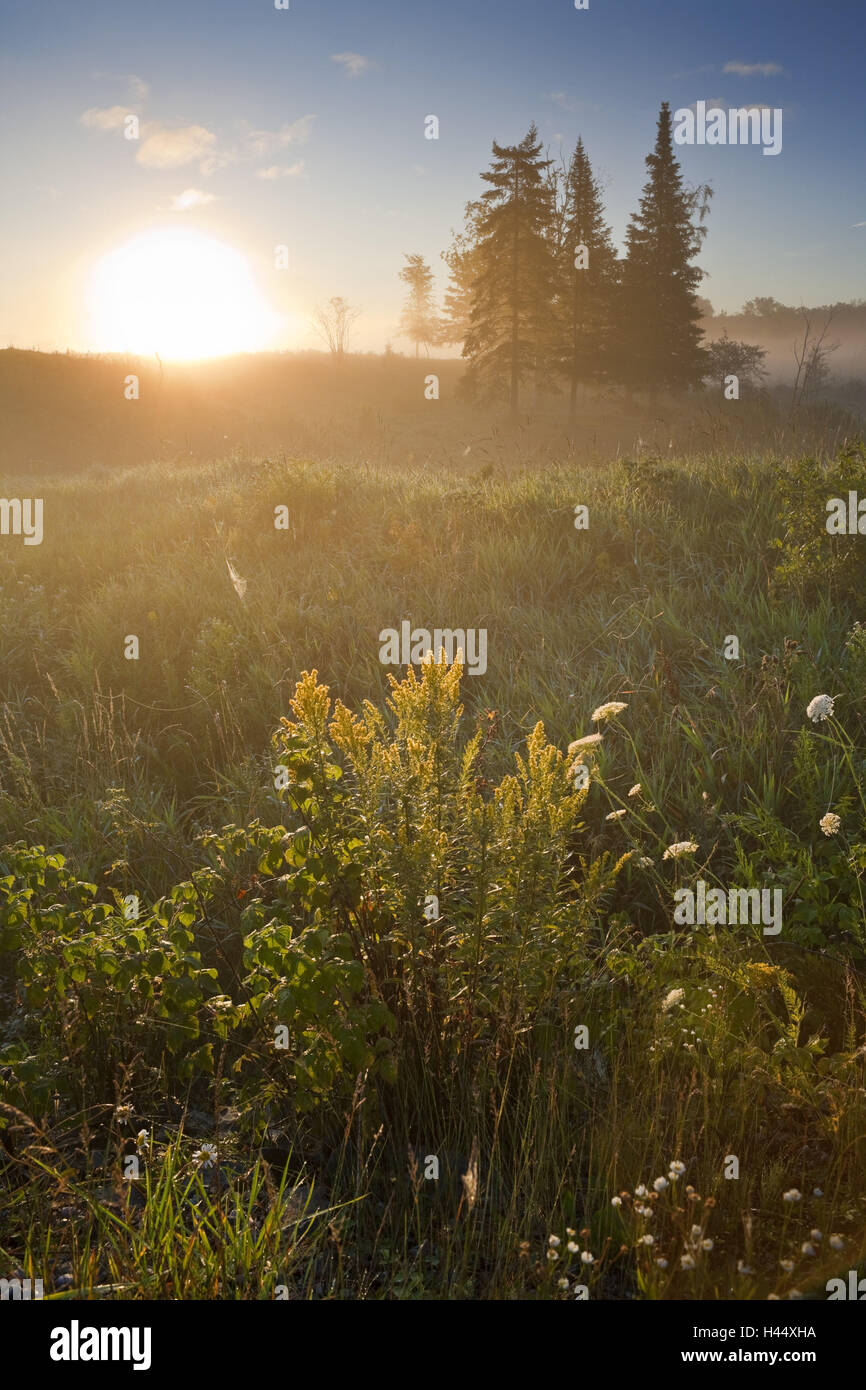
<point x="609" y="711"/>
<point x="681" y="847"/>
<point x="588" y="741"/>
<point x="820" y="708"/>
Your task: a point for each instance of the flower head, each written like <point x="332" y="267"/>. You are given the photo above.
<point x="609" y="711"/>
<point x="676" y="851"/>
<point x="588" y="741"/>
<point x="615" y="815"/>
<point x="206" y="1156"/>
<point x="676" y="1168"/>
<point x="831" y="824"/>
<point x="792" y="1195"/>
<point x="673" y="997"/>
<point x="660" y="1184"/>
<point x="820" y="708"/>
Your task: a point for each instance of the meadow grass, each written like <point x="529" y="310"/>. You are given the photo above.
<point x="123" y="766"/>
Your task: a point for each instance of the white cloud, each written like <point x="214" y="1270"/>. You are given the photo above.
<point x="562" y="101"/>
<point x="105" y="118"/>
<point x="171" y="149"/>
<point x="754" y="69"/>
<point x="354" y="63"/>
<point x="858" y="224"/>
<point x="263" y="142"/>
<point x="190" y="198"/>
<point x="281" y="171"/>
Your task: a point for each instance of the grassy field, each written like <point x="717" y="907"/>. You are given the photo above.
<point x="129" y="1045"/>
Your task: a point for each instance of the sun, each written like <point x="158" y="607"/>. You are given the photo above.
<point x="179" y="294"/>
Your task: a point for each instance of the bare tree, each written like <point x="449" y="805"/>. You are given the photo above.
<point x="333" y="321"/>
<point x="811" y="357"/>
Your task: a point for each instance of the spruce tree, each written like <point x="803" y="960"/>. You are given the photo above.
<point x="586" y="279"/>
<point x="512" y="293"/>
<point x="461" y="259"/>
<point x="419" y="321"/>
<point x="659" y="336"/>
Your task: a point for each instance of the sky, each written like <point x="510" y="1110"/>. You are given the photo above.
<point x="305" y="128"/>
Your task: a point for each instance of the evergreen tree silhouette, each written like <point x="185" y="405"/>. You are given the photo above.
<point x="512" y="293"/>
<point x="658" y="323"/>
<point x="586" y="278"/>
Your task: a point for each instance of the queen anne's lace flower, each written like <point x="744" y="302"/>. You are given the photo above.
<point x="609" y="711"/>
<point x="676" y="851"/>
<point x="820" y="708"/>
<point x="588" y="741"/>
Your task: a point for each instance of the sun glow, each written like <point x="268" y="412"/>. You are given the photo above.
<point x="180" y="294"/>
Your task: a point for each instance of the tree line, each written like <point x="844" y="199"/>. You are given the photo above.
<point x="536" y="290"/>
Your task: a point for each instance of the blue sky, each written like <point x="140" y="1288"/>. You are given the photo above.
<point x="275" y="139"/>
